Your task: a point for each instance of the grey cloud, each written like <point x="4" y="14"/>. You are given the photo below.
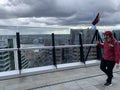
<point x="64" y="12"/>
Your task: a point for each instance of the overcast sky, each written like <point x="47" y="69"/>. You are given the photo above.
<point x="59" y="12"/>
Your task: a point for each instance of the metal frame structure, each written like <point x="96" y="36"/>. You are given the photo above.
<point x="83" y="59"/>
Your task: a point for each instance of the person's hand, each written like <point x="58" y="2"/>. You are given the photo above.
<point x="117" y="66"/>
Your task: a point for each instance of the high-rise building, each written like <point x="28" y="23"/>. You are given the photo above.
<point x="4" y="58"/>
<point x="87" y="36"/>
<point x="24" y="61"/>
<point x="7" y="58"/>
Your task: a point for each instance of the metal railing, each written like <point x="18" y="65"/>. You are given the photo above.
<point x="82" y="54"/>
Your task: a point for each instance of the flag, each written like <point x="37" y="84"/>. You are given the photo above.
<point x="96" y="20"/>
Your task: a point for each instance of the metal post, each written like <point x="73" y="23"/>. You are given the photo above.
<point x="81" y="48"/>
<point x="63" y="56"/>
<point x="90" y="46"/>
<point x="114" y="35"/>
<point x="98" y="38"/>
<point x="19" y="52"/>
<point x="54" y="55"/>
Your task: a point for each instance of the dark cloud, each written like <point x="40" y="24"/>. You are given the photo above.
<point x="62" y="12"/>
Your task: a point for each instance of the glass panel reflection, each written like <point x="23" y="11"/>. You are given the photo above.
<point x="36" y="58"/>
<point x="7" y="62"/>
<point x="67" y="55"/>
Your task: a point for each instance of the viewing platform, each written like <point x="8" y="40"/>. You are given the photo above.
<point x="88" y="77"/>
<point x="53" y="62"/>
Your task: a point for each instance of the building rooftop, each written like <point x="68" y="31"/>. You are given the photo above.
<point x="57" y="66"/>
<point x="79" y="78"/>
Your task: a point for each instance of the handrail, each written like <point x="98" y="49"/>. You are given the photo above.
<point x="46" y="47"/>
<point x="9" y="49"/>
<point x="15" y="72"/>
<point x="41" y="47"/>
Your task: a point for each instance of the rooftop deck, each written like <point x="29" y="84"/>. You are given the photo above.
<point x="84" y="78"/>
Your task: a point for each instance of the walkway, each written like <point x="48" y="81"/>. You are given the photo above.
<point x="93" y="83"/>
<point x="88" y="78"/>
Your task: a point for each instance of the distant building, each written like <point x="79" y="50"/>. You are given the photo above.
<point x="24" y="61"/>
<point x="7" y="58"/>
<point x="4" y="58"/>
<point x="87" y="36"/>
<point x="117" y="34"/>
<point x="63" y="55"/>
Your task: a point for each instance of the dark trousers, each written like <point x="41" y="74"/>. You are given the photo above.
<point x="107" y="67"/>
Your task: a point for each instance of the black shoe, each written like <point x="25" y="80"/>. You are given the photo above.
<point x="108" y="84"/>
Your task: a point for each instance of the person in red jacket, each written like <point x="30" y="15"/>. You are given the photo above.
<point x="110" y="56"/>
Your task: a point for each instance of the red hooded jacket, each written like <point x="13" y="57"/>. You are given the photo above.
<point x="111" y="50"/>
